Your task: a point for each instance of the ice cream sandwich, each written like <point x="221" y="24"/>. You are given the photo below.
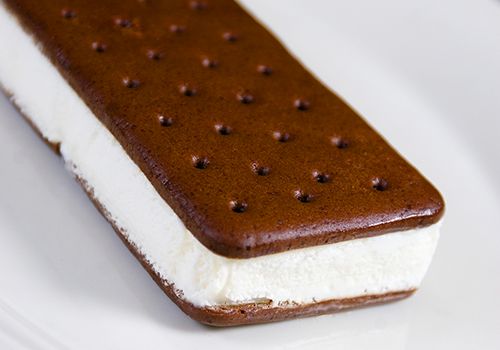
<point x="248" y="190"/>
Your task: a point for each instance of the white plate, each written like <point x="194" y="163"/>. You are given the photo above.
<point x="425" y="73"/>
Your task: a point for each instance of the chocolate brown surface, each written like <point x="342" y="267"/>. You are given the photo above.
<point x="252" y="152"/>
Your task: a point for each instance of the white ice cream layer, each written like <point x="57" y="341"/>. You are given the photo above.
<point x="387" y="263"/>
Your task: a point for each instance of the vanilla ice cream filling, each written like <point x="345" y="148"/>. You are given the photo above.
<point x="368" y="266"/>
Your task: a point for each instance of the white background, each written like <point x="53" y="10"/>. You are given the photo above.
<point x="425" y="73"/>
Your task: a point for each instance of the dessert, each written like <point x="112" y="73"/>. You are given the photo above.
<point x="248" y="191"/>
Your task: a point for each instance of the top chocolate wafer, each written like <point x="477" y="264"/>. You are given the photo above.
<point x="252" y="153"/>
